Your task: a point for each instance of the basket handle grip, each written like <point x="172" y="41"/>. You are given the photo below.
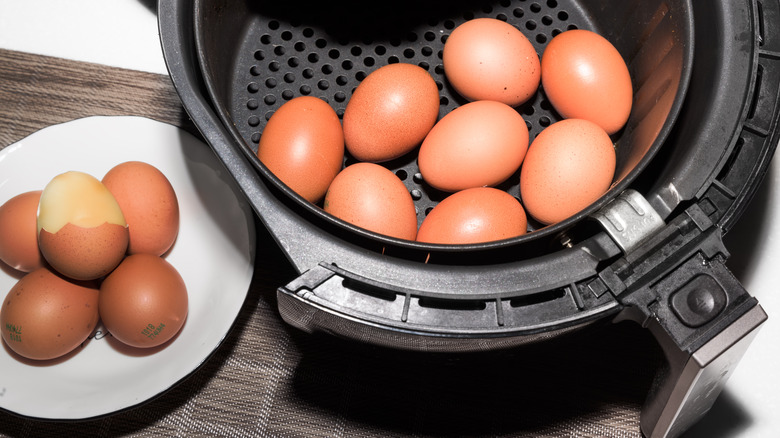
<point x="686" y="388"/>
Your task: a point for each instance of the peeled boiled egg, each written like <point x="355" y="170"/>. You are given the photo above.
<point x="45" y="315"/>
<point x="584" y="77"/>
<point x="143" y="302"/>
<point x="372" y="197"/>
<point x="569" y="165"/>
<point x="390" y="112"/>
<point x="478" y="144"/>
<point x="303" y="145"/>
<point x="19" y="232"/>
<point x="476" y="215"/>
<point x="489" y="59"/>
<point x="82" y="232"/>
<point x="148" y="203"/>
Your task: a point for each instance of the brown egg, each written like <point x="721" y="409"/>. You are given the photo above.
<point x="570" y="164"/>
<point x="585" y="77"/>
<point x="489" y="59"/>
<point x="143" y="302"/>
<point x="390" y="112"/>
<point x="81" y="230"/>
<point x="149" y="205"/>
<point x="477" y="215"/>
<point x="84" y="253"/>
<point x="372" y="197"/>
<point x="45" y="316"/>
<point x="303" y="145"/>
<point x="19" y="232"/>
<point x="478" y="144"/>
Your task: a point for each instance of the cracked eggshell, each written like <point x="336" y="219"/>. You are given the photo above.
<point x="82" y="232"/>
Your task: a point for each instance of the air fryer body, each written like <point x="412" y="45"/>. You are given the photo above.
<point x="649" y="251"/>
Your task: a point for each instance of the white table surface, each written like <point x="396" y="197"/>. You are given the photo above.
<point x="124" y="33"/>
<point x="119" y="33"/>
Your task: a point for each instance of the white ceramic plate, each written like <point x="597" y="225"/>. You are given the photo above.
<point x="214" y="253"/>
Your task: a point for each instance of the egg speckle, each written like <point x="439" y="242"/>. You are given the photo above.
<point x="45" y="315"/>
<point x="143" y="302"/>
<point x="569" y="165"/>
<point x="585" y="77"/>
<point x="303" y="145"/>
<point x="148" y="203"/>
<point x="390" y="112"/>
<point x="478" y="144"/>
<point x="490" y="59"/>
<point x="372" y="197"/>
<point x="476" y="215"/>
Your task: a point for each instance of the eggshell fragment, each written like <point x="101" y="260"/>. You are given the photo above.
<point x="390" y="112"/>
<point x="477" y="215"/>
<point x="143" y="302"/>
<point x="585" y="77"/>
<point x="478" y="144"/>
<point x="570" y="164"/>
<point x="19" y="232"/>
<point x="148" y="203"/>
<point x="489" y="59"/>
<point x="45" y="316"/>
<point x="372" y="197"/>
<point x="303" y="145"/>
<point x="82" y="232"/>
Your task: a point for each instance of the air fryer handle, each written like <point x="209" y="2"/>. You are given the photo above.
<point x="689" y="384"/>
<point x="675" y="283"/>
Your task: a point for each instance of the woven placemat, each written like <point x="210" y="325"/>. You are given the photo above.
<point x="268" y="379"/>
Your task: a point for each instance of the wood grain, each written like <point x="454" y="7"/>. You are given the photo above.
<point x="38" y="91"/>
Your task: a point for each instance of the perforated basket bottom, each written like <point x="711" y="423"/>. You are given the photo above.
<point x="299" y="49"/>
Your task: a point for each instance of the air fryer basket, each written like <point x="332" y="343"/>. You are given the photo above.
<point x="650" y="250"/>
<point x="256" y="55"/>
<point x="289" y="49"/>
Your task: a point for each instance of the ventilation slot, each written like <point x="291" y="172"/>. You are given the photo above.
<point x="756" y="92"/>
<point x="369" y="290"/>
<point x="760" y="23"/>
<point x="537" y="298"/>
<point x="437" y="303"/>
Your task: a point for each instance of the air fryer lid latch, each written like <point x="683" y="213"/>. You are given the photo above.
<point x="629" y="219"/>
<point x="676" y="284"/>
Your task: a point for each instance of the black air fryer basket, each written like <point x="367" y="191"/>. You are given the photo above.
<point x="699" y="140"/>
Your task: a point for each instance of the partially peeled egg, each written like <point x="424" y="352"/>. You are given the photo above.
<point x="82" y="232"/>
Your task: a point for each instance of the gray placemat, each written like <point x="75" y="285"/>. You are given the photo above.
<point x="268" y="379"/>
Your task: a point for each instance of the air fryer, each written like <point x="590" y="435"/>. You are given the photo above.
<point x="700" y="138"/>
